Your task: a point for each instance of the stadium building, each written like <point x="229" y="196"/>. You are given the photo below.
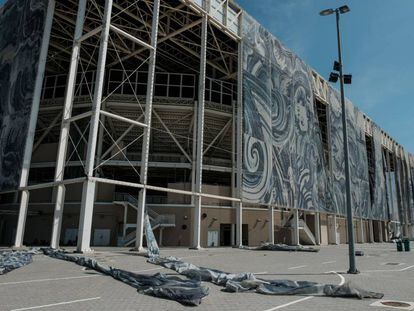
<point x="189" y="110"/>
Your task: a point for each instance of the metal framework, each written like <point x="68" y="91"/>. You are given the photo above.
<point x="115" y="49"/>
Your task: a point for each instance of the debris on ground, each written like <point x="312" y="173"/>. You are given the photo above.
<point x="10" y="260"/>
<point x="187" y="292"/>
<point x="244" y="282"/>
<point x="281" y="247"/>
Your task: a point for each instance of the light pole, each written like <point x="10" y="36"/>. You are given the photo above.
<point x="338" y="66"/>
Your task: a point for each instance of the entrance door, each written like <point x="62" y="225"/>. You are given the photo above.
<point x="101" y="237"/>
<point x="212" y="238"/>
<point x="225" y="235"/>
<point x="71" y="236"/>
<point x="245" y="234"/>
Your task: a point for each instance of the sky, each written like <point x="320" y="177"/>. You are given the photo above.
<point x="378" y="50"/>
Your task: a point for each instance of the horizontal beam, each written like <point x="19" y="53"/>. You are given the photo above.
<point x="120" y="118"/>
<point x="131" y="37"/>
<point x="54" y="183"/>
<point x="161" y="189"/>
<point x="79" y="116"/>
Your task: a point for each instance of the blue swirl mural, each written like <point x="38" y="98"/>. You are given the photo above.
<point x="283" y="161"/>
<point x="22" y="25"/>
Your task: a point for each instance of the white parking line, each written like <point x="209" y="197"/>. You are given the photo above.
<point x="306" y="298"/>
<point x="55" y="279"/>
<point x="328" y="262"/>
<point x="57" y="304"/>
<point x="290" y="303"/>
<point x="394" y="270"/>
<point x="145" y="270"/>
<point x="298" y="267"/>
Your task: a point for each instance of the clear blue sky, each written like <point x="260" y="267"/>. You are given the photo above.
<point x="378" y="41"/>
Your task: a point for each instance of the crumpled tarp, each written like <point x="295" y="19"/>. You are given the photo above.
<point x="153" y="249"/>
<point x="281" y="247"/>
<point x="187" y="292"/>
<point x="10" y="260"/>
<point x="243" y="282"/>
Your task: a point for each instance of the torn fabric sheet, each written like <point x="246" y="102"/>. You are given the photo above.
<point x="243" y="282"/>
<point x="187" y="292"/>
<point x="10" y="260"/>
<point x="153" y="249"/>
<point x="281" y="247"/>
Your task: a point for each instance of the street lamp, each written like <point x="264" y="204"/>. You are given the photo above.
<point x="338" y="66"/>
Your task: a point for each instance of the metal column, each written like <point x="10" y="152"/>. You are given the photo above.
<point x="88" y="191"/>
<point x="200" y="136"/>
<point x="27" y="158"/>
<point x="317" y="229"/>
<point x="295" y="227"/>
<point x="362" y="231"/>
<point x="371" y="231"/>
<point x="239" y="147"/>
<point x="65" y="127"/>
<point x="147" y="130"/>
<point x="271" y="225"/>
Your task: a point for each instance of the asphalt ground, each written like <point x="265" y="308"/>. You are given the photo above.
<point x="51" y="284"/>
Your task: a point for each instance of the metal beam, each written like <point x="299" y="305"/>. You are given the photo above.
<point x="200" y="135"/>
<point x="172" y="136"/>
<point x="47" y="131"/>
<point x="147" y="130"/>
<point x="88" y="191"/>
<point x="28" y="148"/>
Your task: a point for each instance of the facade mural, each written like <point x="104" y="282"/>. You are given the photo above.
<point x="283" y="162"/>
<point x="22" y="25"/>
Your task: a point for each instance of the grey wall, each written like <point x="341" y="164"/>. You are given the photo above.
<point x="21" y="26"/>
<point x="283" y="161"/>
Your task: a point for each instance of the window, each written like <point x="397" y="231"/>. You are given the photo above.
<point x="322" y="115"/>
<point x="371" y="165"/>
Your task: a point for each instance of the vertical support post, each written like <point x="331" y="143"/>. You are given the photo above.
<point x="147" y="130"/>
<point x="317" y="229"/>
<point x="125" y="221"/>
<point x="371" y="231"/>
<point x="200" y="136"/>
<point x="65" y="126"/>
<point x="88" y="191"/>
<point x="334" y="230"/>
<point x="380" y="235"/>
<point x="27" y="158"/>
<point x="21" y="221"/>
<point x="271" y="225"/>
<point x="295" y="227"/>
<point x="362" y="230"/>
<point x="239" y="146"/>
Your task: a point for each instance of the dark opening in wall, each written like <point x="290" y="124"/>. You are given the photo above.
<point x="322" y="114"/>
<point x="369" y="142"/>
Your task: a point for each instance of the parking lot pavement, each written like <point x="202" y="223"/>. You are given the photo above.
<point x="50" y="284"/>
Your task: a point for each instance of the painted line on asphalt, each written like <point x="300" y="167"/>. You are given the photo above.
<point x="394" y="270"/>
<point x="57" y="304"/>
<point x="289" y="303"/>
<point x="328" y="262"/>
<point x="306" y="298"/>
<point x="297" y="267"/>
<point x="54" y="279"/>
<point x="259" y="273"/>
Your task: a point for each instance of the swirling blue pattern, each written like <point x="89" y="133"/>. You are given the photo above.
<point x="22" y="26"/>
<point x="283" y="162"/>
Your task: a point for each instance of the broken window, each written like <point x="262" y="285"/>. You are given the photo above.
<point x="369" y="142"/>
<point x="322" y="114"/>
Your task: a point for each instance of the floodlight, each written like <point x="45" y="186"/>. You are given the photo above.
<point x="326" y="12"/>
<point x="347" y="79"/>
<point x="333" y="77"/>
<point x="336" y="66"/>
<point x="344" y="9"/>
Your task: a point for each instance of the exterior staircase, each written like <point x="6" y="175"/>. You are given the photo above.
<point x="157" y="221"/>
<point x="306" y="237"/>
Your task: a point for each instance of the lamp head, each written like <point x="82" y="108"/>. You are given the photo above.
<point x="344" y="9"/>
<point x="326" y="12"/>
